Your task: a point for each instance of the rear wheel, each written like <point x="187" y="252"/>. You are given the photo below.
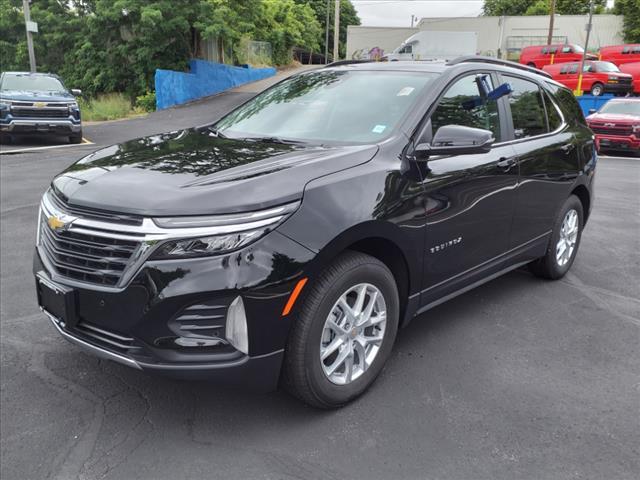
<point x="597" y="89"/>
<point x="344" y="333"/>
<point x="564" y="243"/>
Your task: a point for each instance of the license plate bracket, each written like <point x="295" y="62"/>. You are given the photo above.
<point x="56" y="299"/>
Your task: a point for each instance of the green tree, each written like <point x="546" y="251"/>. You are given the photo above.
<point x="540" y="7"/>
<point x="11" y="32"/>
<point x="631" y="25"/>
<point x="348" y="16"/>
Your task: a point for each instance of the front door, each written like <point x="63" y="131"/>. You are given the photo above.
<point x="469" y="199"/>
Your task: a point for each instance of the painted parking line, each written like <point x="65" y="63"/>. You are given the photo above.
<point x="85" y="141"/>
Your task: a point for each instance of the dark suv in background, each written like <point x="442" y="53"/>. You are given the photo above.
<point x="290" y="240"/>
<point x="38" y="103"/>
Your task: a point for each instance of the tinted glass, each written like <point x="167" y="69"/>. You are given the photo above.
<point x="31" y="83"/>
<point x="567" y="103"/>
<point x="555" y="121"/>
<point x="527" y="108"/>
<point x="330" y="106"/>
<point x="463" y="105"/>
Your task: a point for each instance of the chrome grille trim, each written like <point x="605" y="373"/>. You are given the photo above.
<point x="123" y="247"/>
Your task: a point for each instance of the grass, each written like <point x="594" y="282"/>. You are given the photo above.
<point x="109" y="106"/>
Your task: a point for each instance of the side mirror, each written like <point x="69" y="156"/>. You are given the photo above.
<point x="456" y="140"/>
<point x="76" y="92"/>
<point x="592" y="111"/>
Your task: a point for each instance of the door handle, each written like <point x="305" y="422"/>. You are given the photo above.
<point x="567" y="148"/>
<point x="506" y="163"/>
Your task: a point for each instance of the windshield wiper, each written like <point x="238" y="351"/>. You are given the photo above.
<point x="283" y="141"/>
<point x="217" y="132"/>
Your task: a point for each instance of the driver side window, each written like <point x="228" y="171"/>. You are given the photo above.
<point x="463" y="105"/>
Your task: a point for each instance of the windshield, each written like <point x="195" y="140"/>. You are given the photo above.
<point x="329" y="106"/>
<point x="605" y="67"/>
<point x="31" y="83"/>
<point x="626" y="108"/>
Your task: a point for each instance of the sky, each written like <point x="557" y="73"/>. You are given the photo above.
<point x="397" y="13"/>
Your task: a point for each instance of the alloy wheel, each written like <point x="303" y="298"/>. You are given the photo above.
<point x="568" y="237"/>
<point x="353" y="333"/>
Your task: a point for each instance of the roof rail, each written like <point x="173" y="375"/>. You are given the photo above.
<point x="496" y="61"/>
<point x="347" y="62"/>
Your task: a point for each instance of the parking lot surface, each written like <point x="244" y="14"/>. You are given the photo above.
<point x="518" y="379"/>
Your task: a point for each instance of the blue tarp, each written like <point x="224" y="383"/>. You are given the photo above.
<point x="205" y="78"/>
<point x="588" y="102"/>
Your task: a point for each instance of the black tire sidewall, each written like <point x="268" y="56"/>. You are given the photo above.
<point x="326" y="391"/>
<point x="557" y="271"/>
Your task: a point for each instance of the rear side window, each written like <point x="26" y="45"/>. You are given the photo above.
<point x="553" y="116"/>
<point x="527" y="108"/>
<point x="567" y="103"/>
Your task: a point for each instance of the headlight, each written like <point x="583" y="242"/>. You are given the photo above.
<point x="636" y="128"/>
<point x="226" y="232"/>
<point x="4" y="104"/>
<point x="73" y="105"/>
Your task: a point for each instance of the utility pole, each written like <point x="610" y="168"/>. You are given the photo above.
<point x="584" y="54"/>
<point x="326" y="33"/>
<point x="28" y="27"/>
<point x="552" y="14"/>
<point x="336" y="33"/>
<point x="412" y="18"/>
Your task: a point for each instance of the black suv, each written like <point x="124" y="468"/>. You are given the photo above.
<point x="291" y="239"/>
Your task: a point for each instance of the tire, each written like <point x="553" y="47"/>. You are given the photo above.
<point x="76" y="138"/>
<point x="304" y="372"/>
<point x="532" y="65"/>
<point x="597" y="89"/>
<point x="6" y="139"/>
<point x="554" y="266"/>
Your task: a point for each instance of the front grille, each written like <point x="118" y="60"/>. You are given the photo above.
<point x="85" y="257"/>
<point x="107" y="339"/>
<point x="40" y="112"/>
<point x="623" y="130"/>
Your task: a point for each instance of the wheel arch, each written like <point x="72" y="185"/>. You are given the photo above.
<point x="585" y="198"/>
<point x="386" y="242"/>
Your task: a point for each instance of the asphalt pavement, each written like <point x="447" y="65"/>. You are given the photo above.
<point x="518" y="379"/>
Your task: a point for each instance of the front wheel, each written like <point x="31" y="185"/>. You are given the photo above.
<point x="597" y="89"/>
<point x="76" y="138"/>
<point x="564" y="243"/>
<point x="344" y="332"/>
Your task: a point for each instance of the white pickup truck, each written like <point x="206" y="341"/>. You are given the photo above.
<point x="427" y="45"/>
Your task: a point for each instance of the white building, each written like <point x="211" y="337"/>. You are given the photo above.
<point x="497" y="36"/>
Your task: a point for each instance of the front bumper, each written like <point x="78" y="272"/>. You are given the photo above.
<point x="629" y="143"/>
<point x="621" y="88"/>
<point x="138" y="325"/>
<point x="40" y="125"/>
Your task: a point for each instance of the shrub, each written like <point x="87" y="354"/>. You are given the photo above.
<point x="109" y="106"/>
<point x="146" y="102"/>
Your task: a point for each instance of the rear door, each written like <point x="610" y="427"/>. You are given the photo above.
<point x="547" y="152"/>
<point x="469" y="199"/>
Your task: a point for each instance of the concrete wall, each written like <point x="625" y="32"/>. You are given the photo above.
<point x="495" y="34"/>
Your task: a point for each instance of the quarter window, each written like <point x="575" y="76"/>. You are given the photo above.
<point x="463" y="105"/>
<point x="527" y="108"/>
<point x="555" y="121"/>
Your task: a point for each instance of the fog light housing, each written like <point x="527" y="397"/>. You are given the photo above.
<point x="236" y="328"/>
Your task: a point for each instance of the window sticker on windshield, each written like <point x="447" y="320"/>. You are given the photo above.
<point x="405" y="91"/>
<point x="378" y="128"/>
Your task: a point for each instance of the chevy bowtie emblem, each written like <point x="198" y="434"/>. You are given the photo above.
<point x="609" y="124"/>
<point x="39" y="104"/>
<point x="57" y="224"/>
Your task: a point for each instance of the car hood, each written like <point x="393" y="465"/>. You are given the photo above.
<point x="617" y="118"/>
<point x="28" y="96"/>
<point x="195" y="172"/>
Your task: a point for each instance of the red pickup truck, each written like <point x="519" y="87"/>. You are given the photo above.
<point x="597" y="77"/>
<point x="633" y="69"/>
<point x="617" y="125"/>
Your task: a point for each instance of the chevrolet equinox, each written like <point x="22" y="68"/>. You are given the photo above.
<point x="290" y="240"/>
